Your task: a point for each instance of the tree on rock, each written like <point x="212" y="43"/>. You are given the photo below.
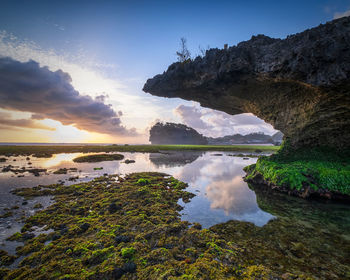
<point x="184" y="54"/>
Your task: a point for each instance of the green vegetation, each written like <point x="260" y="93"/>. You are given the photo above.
<point x="47" y="151"/>
<point x="142" y="182"/>
<point x="99" y="158"/>
<point x="307" y="171"/>
<point x="108" y="229"/>
<point x="5" y="259"/>
<point x="114" y="227"/>
<point x="128" y="253"/>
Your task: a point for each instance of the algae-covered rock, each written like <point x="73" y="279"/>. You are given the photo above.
<point x="98" y="158"/>
<point x="142" y="237"/>
<point x="307" y="173"/>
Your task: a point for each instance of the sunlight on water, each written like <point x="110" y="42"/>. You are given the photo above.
<point x="58" y="159"/>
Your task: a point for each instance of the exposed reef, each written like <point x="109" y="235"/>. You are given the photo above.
<point x="127" y="228"/>
<point x="99" y="158"/>
<point x="299" y="84"/>
<point x="34" y="171"/>
<point x="130" y="228"/>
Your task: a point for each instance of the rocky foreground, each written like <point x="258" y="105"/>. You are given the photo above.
<point x="129" y="227"/>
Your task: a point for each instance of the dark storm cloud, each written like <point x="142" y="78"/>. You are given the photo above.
<point x="27" y="87"/>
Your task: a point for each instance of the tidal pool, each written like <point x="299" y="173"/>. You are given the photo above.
<point x="221" y="196"/>
<point x="216" y="179"/>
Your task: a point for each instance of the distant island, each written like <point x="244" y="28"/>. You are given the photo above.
<point x="174" y="133"/>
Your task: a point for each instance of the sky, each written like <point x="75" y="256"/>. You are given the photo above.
<point x="73" y="71"/>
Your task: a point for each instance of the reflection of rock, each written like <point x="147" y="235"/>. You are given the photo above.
<point x="232" y="195"/>
<point x="282" y="205"/>
<point x="300" y="84"/>
<point x="34" y="171"/>
<point x="64" y="170"/>
<point x="171" y="159"/>
<point x="304" y="237"/>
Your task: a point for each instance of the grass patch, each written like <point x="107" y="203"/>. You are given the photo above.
<point x="319" y="169"/>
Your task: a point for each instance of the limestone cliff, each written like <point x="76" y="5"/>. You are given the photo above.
<point x="300" y="84"/>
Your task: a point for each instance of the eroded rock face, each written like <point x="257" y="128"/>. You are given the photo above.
<point x="300" y="85"/>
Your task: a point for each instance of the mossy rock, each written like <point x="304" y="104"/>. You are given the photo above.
<point x="99" y="158"/>
<point x="142" y="237"/>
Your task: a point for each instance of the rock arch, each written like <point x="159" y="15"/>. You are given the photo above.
<point x="300" y="84"/>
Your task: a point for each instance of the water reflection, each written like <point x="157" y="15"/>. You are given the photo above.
<point x="172" y="159"/>
<point x="232" y="196"/>
<point x="314" y="235"/>
<point x="306" y="236"/>
<point x="221" y="194"/>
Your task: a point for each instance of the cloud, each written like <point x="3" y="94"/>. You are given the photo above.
<point x="91" y="76"/>
<point x="7" y="122"/>
<point x="191" y="116"/>
<point x="216" y="124"/>
<point x="27" y="87"/>
<point x="341" y="14"/>
<point x="232" y="195"/>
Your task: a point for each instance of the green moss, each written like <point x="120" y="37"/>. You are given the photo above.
<point x="142" y="238"/>
<point x="15" y="236"/>
<point x="319" y="169"/>
<point x="143" y="182"/>
<point x="128" y="253"/>
<point x="98" y="256"/>
<point x="99" y="158"/>
<point x="5" y="259"/>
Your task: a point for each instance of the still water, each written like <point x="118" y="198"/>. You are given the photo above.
<point x="215" y="178"/>
<point x="283" y="231"/>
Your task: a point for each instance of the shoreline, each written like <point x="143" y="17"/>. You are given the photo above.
<point x="48" y="151"/>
